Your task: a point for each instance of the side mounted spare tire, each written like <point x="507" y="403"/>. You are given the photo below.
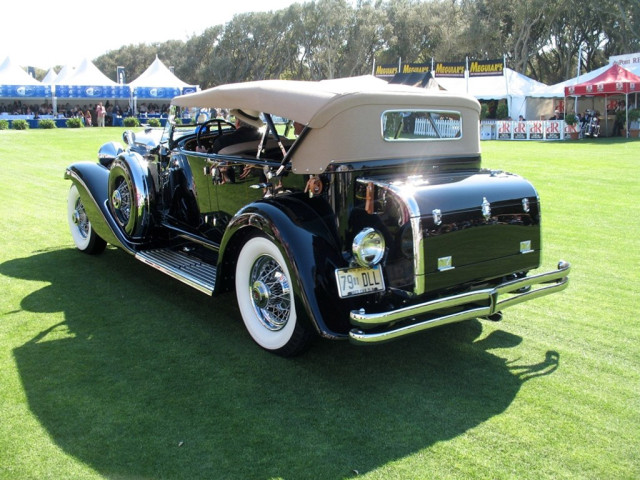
<point x="130" y="194"/>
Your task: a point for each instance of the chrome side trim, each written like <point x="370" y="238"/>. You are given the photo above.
<point x="481" y="303"/>
<point x="188" y="269"/>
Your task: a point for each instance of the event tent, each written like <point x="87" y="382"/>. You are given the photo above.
<point x="630" y="62"/>
<point x="15" y="83"/>
<point x="513" y="87"/>
<point x="158" y="81"/>
<point x="65" y="73"/>
<point x="615" y="80"/>
<point x="50" y="77"/>
<point x="88" y="82"/>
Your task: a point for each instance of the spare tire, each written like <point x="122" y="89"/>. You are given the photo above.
<point x="130" y="195"/>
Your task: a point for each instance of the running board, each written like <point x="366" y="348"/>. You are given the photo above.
<point x="181" y="266"/>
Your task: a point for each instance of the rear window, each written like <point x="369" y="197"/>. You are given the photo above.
<point x="421" y="125"/>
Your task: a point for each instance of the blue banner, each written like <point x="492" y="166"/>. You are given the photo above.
<point x="27" y="91"/>
<point x="156" y="92"/>
<point x="92" y="91"/>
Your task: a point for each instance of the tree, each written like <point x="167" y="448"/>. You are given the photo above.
<point x="321" y="39"/>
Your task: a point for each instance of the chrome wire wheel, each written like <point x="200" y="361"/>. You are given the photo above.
<point x="80" y="219"/>
<point x="266" y="299"/>
<point x="121" y="200"/>
<point x="270" y="293"/>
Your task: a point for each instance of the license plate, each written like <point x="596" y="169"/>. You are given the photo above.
<point x="359" y="281"/>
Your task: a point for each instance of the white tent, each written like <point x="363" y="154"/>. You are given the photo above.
<point x="50" y="77"/>
<point x="88" y="82"/>
<point x="65" y="72"/>
<point x="12" y="74"/>
<point x="557" y="90"/>
<point x="514" y="87"/>
<point x="17" y="84"/>
<point x="87" y="74"/>
<point x="158" y="82"/>
<point x="158" y="75"/>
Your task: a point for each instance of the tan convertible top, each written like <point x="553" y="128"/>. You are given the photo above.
<point x="345" y="117"/>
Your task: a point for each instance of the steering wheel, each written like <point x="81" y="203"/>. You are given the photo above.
<point x="206" y="127"/>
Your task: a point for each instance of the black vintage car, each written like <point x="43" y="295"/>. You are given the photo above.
<point x="352" y="209"/>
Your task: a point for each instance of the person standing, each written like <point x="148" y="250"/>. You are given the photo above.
<point x="101" y="112"/>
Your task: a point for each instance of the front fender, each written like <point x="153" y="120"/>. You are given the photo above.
<point x="92" y="179"/>
<point x="312" y="252"/>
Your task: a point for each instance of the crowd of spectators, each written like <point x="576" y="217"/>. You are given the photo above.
<point x="85" y="111"/>
<point x="152" y="109"/>
<point x="19" y="108"/>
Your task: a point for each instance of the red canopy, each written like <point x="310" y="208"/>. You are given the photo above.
<point x="615" y="80"/>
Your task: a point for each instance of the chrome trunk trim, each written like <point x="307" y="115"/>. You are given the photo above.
<point x="405" y="193"/>
<point x="481" y="303"/>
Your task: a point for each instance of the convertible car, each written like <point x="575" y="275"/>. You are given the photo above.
<point x="354" y="210"/>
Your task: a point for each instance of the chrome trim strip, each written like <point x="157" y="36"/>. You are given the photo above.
<point x="358" y="336"/>
<point x="413" y="209"/>
<point x="418" y="256"/>
<point x="481" y="303"/>
<point x="185" y="268"/>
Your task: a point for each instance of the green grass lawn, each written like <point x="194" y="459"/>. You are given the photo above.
<point x="108" y="369"/>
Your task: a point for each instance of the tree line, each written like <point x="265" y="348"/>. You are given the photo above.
<point x="322" y="39"/>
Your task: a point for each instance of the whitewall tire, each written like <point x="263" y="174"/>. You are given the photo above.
<point x="84" y="237"/>
<point x="265" y="297"/>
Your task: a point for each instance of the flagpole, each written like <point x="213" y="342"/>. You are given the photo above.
<point x="466" y="72"/>
<point x="575" y="105"/>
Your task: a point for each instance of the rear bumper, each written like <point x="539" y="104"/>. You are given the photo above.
<point x="465" y="306"/>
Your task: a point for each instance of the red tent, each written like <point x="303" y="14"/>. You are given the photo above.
<point x="614" y="81"/>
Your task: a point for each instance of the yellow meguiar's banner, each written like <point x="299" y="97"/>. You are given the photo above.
<point x="386" y="70"/>
<point x="449" y="69"/>
<point x="480" y="68"/>
<point x="476" y="68"/>
<point x="416" y="68"/>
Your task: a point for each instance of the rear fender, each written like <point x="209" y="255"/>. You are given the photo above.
<point x="310" y="248"/>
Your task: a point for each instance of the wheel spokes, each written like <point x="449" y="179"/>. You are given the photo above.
<point x="80" y="219"/>
<point x="270" y="293"/>
<point x="121" y="200"/>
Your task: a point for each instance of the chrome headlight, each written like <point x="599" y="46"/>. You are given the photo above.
<point x="368" y="247"/>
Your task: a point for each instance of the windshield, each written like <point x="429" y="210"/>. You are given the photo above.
<point x="179" y="123"/>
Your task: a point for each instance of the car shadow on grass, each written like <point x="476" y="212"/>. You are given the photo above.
<point x="148" y="378"/>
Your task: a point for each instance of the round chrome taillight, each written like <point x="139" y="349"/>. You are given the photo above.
<point x="368" y="247"/>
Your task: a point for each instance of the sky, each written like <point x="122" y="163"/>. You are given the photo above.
<point x="45" y="33"/>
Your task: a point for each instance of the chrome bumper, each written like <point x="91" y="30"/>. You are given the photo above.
<point x="479" y="303"/>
